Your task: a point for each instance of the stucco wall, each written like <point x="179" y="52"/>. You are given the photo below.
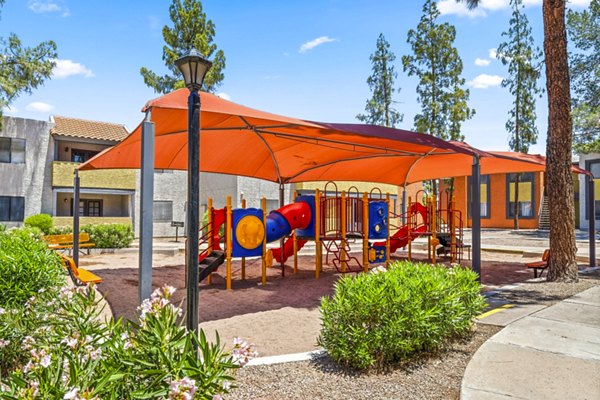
<point x="583" y="192"/>
<point x="253" y="190"/>
<point x="498" y="215"/>
<point x="172" y="186"/>
<point x="31" y="179"/>
<point x="65" y="146"/>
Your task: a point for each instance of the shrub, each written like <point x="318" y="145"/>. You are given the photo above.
<point x="43" y="222"/>
<point x="110" y="236"/>
<point x="61" y="230"/>
<point x="26" y="266"/>
<point x="373" y="320"/>
<point x="75" y="355"/>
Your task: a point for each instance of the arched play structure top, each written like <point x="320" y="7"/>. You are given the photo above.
<point x="239" y="140"/>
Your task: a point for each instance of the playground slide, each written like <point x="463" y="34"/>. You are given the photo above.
<point x="288" y="249"/>
<point x="400" y="238"/>
<point x="282" y="222"/>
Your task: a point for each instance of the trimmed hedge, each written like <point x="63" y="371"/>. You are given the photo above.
<point x="41" y="221"/>
<point x="373" y="320"/>
<point x="105" y="236"/>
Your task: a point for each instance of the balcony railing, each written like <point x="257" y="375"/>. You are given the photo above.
<point x="62" y="176"/>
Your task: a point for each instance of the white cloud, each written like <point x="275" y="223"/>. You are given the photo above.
<point x="314" y="43"/>
<point x="38" y="106"/>
<point x="224" y="96"/>
<point x="452" y="7"/>
<point x="9" y="110"/>
<point x="493" y="53"/>
<point x="485" y="81"/>
<point x="482" y="62"/>
<point x="578" y="3"/>
<point x="48" y="6"/>
<point x="66" y="68"/>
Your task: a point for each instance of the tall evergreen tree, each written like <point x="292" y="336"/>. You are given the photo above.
<point x="523" y="60"/>
<point x="379" y="110"/>
<point x="584" y="32"/>
<point x="559" y="180"/>
<point x="191" y="29"/>
<point x="435" y="61"/>
<point x="23" y="69"/>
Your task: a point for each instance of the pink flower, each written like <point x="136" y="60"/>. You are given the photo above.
<point x="4" y="343"/>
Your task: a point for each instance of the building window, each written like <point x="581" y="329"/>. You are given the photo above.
<point x="12" y="150"/>
<point x="89" y="208"/>
<point x="163" y="211"/>
<point x="81" y="156"/>
<point x="526" y="195"/>
<point x="594" y="168"/>
<point x="12" y="209"/>
<point x="484" y="195"/>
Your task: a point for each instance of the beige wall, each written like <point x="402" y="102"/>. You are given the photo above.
<point x="112" y="205"/>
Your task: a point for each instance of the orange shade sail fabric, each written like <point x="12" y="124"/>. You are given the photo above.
<point x="239" y="140"/>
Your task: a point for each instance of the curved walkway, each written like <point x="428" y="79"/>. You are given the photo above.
<point x="552" y="353"/>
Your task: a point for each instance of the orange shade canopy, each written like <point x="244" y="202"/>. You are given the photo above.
<point x="239" y="140"/>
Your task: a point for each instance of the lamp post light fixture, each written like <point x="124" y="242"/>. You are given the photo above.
<point x="193" y="67"/>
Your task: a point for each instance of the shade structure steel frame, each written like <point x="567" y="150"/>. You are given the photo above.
<point x="239" y="140"/>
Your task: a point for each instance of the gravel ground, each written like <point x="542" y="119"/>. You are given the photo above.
<point x="436" y="376"/>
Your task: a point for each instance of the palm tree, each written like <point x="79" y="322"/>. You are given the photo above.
<point x="559" y="180"/>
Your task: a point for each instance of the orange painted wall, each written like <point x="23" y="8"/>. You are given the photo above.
<point x="498" y="215"/>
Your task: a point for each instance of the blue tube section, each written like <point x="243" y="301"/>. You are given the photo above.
<point x="277" y="226"/>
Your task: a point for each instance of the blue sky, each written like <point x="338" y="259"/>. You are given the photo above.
<point x="303" y="58"/>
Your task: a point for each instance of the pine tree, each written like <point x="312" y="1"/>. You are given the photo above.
<point x="23" y="69"/>
<point x="190" y="30"/>
<point x="435" y="61"/>
<point x="379" y="110"/>
<point x="584" y="65"/>
<point x="559" y="179"/>
<point x="523" y="60"/>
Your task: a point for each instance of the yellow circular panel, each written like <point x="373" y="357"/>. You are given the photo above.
<point x="250" y="232"/>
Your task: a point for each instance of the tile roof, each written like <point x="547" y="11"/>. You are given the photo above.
<point x="81" y="128"/>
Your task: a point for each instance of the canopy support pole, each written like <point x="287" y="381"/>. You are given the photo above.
<point x="146" y="209"/>
<point x="403" y="212"/>
<point x="193" y="211"/>
<point x="592" y="221"/>
<point x="476" y="217"/>
<point x="282" y="240"/>
<point x="76" y="190"/>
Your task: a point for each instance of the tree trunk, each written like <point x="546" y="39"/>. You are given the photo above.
<point x="563" y="265"/>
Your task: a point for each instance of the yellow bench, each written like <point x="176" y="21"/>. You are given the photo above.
<point x="79" y="276"/>
<point x="65" y="242"/>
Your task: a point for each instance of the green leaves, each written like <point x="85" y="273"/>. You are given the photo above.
<point x="523" y="59"/>
<point x="435" y="61"/>
<point x="584" y="64"/>
<point x="379" y="107"/>
<point x="23" y="69"/>
<point x="373" y="320"/>
<point x="191" y="29"/>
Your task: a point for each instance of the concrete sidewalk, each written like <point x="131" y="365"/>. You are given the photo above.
<point x="548" y="353"/>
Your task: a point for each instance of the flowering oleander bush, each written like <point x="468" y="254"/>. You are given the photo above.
<point x="72" y="354"/>
<point x="376" y="319"/>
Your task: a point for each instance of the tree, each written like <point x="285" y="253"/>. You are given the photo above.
<point x="23" y="69"/>
<point x="583" y="29"/>
<point x="522" y="58"/>
<point x="190" y="30"/>
<point x="559" y="180"/>
<point x="379" y="109"/>
<point x="435" y="61"/>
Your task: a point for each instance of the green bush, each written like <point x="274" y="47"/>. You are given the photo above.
<point x="73" y="354"/>
<point x="61" y="230"/>
<point x="109" y="236"/>
<point x="373" y="320"/>
<point x="43" y="222"/>
<point x="26" y="266"/>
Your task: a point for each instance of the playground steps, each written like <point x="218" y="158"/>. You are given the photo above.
<point x="210" y="264"/>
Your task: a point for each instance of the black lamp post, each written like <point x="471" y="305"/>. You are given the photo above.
<point x="194" y="68"/>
